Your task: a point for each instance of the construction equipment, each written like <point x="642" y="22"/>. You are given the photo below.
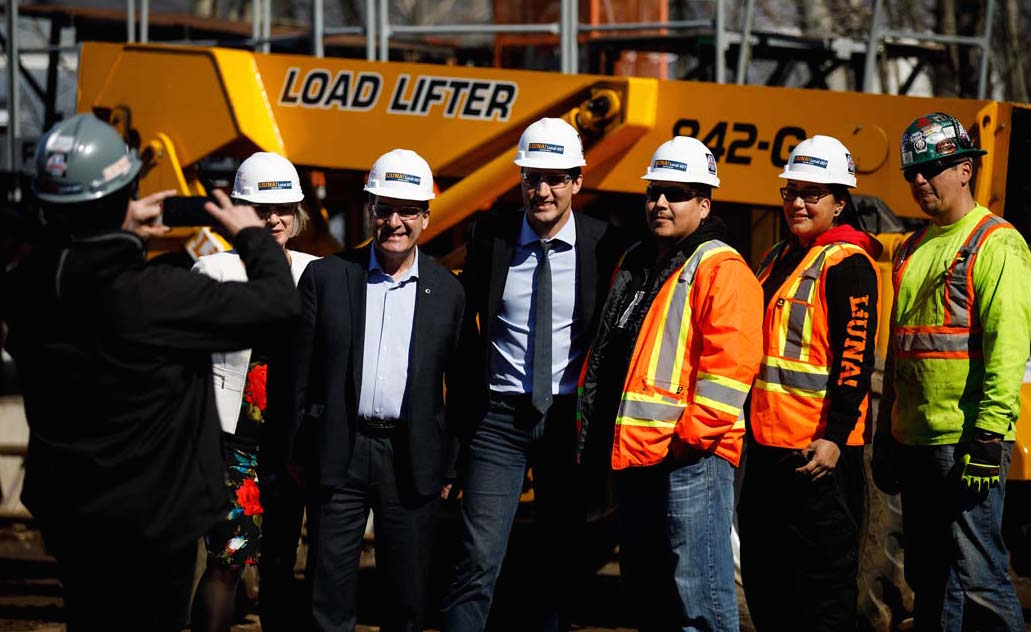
<point x="339" y="115"/>
<point x="184" y="107"/>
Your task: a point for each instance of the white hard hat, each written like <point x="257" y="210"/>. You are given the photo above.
<point x="403" y="174"/>
<point x="550" y="143"/>
<point x="683" y="159"/>
<point x="821" y="159"/>
<point x="267" y="178"/>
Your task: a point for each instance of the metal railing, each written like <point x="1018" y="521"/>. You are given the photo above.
<point x="378" y="31"/>
<point x="878" y="35"/>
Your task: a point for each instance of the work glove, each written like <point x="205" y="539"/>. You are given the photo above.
<point x="982" y="463"/>
<point x="882" y="466"/>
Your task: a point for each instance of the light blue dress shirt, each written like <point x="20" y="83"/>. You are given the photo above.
<point x="511" y="364"/>
<point x="389" y="314"/>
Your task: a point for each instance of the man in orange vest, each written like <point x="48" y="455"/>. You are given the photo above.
<point x="960" y="333"/>
<point x="662" y="394"/>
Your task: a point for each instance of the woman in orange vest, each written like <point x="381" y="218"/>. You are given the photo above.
<point x="804" y="483"/>
<point x="663" y="392"/>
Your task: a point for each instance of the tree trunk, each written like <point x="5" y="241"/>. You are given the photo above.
<point x="1016" y="62"/>
<point x="946" y="67"/>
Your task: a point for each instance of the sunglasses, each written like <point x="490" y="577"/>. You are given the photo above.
<point x="264" y="211"/>
<point x="928" y="170"/>
<point x="406" y="213"/>
<point x="553" y="180"/>
<point x="809" y="196"/>
<point x="673" y="194"/>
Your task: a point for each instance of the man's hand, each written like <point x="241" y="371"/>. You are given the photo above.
<point x="233" y="218"/>
<point x="823" y="458"/>
<point x="142" y="218"/>
<point x="982" y="463"/>
<point x="446" y="491"/>
<point x="882" y="465"/>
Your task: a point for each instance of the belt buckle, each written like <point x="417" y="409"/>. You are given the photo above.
<point x="379" y="425"/>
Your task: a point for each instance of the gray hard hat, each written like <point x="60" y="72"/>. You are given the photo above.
<point x="82" y="159"/>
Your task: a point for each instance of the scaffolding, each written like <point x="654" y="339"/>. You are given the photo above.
<point x="710" y="38"/>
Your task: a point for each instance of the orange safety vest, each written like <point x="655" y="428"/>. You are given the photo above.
<point x="690" y="376"/>
<point x="789" y="399"/>
<point x="959" y="335"/>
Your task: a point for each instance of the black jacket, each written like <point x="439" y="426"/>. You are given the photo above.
<point x="315" y="406"/>
<point x="494" y="240"/>
<point x="115" y="362"/>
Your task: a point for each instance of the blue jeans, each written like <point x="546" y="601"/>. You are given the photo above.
<point x="956" y="562"/>
<point x="511" y="438"/>
<point x="675" y="555"/>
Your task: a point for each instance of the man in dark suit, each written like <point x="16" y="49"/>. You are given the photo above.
<point x="379" y="327"/>
<point x="535" y="280"/>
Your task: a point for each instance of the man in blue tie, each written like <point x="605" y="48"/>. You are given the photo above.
<point x="534" y="281"/>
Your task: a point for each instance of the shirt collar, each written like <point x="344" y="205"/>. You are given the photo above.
<point x="413" y="272"/>
<point x="567" y="235"/>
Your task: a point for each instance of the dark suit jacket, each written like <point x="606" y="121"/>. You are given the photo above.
<point x="324" y="382"/>
<point x="494" y="240"/>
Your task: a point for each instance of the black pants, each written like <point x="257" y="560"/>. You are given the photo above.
<point x="800" y="540"/>
<point x="119" y="585"/>
<point x="285" y="603"/>
<point x="378" y="479"/>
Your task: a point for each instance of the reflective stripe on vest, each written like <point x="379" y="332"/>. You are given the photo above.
<point x="660" y="404"/>
<point x="796" y="330"/>
<point x="788" y="401"/>
<point x="959" y="335"/>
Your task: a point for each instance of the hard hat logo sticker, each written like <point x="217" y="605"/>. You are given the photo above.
<point x="395" y="176"/>
<point x="58" y="142"/>
<point x="670" y="164"/>
<point x="56" y="164"/>
<point x="810" y="160"/>
<point x="709" y="158"/>
<point x="550" y="148"/>
<point x="117" y="168"/>
<point x="851" y="164"/>
<point x="275" y="185"/>
<point x="945" y="147"/>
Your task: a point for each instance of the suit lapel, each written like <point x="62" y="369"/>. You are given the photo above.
<point x="426" y="289"/>
<point x="358" y="289"/>
<point x="586" y="269"/>
<point x="501" y="259"/>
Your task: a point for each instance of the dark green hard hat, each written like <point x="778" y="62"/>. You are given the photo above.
<point x="81" y="159"/>
<point x="936" y="137"/>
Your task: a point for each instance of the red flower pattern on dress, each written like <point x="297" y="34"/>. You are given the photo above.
<point x="247" y="496"/>
<point x="255" y="391"/>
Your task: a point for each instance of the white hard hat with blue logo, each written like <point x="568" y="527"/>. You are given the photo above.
<point x="267" y="178"/>
<point x="550" y="143"/>
<point x="683" y="159"/>
<point x="402" y="174"/>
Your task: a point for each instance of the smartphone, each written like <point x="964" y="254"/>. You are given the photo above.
<point x="186" y="211"/>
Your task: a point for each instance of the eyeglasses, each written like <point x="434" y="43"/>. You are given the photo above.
<point x="928" y="170"/>
<point x="673" y="194"/>
<point x="533" y="180"/>
<point x="406" y="213"/>
<point x="264" y="211"/>
<point x="809" y="196"/>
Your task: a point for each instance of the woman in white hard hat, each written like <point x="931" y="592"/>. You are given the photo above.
<point x="662" y="397"/>
<point x="269" y="183"/>
<point x="804" y="482"/>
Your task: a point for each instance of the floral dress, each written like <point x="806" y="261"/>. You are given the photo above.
<point x="234" y="540"/>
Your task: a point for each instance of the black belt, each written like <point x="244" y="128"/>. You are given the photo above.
<point x="378" y="426"/>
